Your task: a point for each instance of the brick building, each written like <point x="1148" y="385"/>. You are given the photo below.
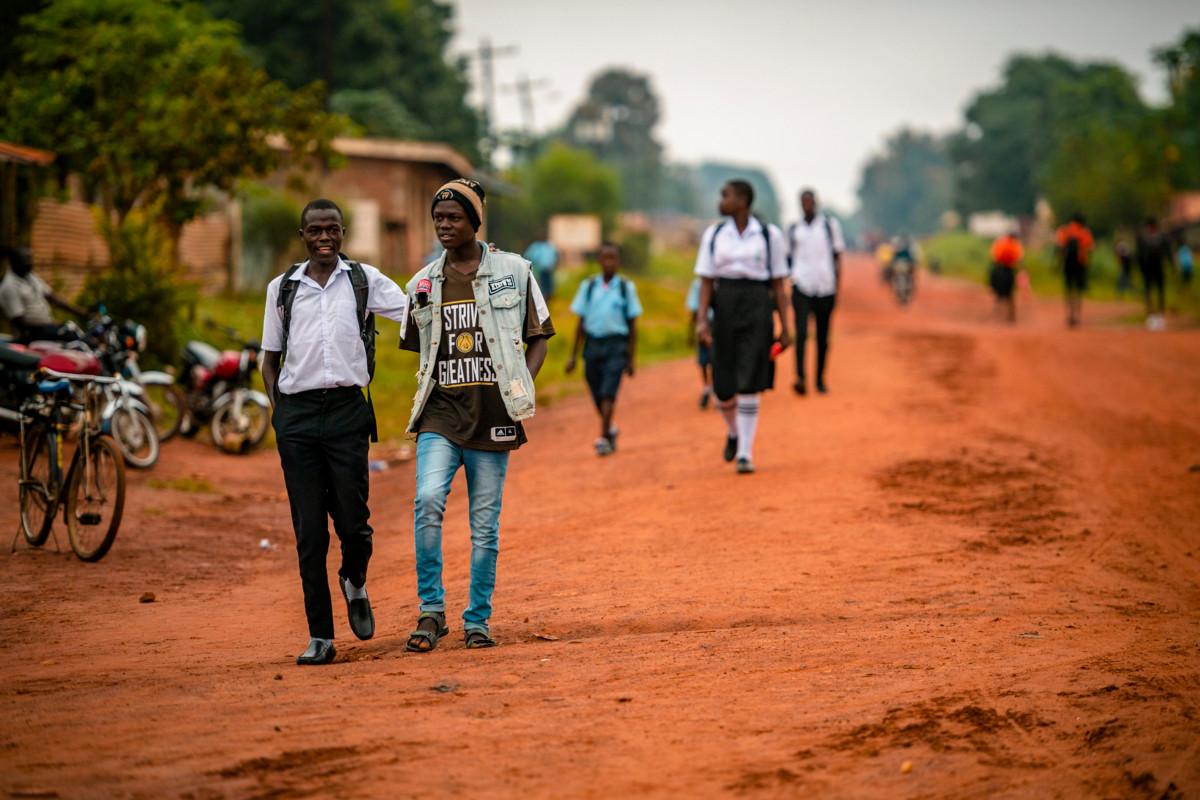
<point x="385" y="184"/>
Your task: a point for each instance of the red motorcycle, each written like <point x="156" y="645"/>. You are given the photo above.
<point x="219" y="391"/>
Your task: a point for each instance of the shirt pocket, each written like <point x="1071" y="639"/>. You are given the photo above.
<point x="509" y="308"/>
<point x="423" y="316"/>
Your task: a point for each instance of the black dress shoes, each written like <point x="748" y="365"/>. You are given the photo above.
<point x="319" y="652"/>
<point x="362" y="620"/>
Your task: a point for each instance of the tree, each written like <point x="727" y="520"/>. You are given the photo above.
<point x="150" y="104"/>
<point x="616" y="122"/>
<point x="562" y="180"/>
<point x="908" y="187"/>
<point x="712" y="175"/>
<point x="1115" y="175"/>
<point x="383" y="62"/>
<point x="1182" y="118"/>
<point x="1011" y="132"/>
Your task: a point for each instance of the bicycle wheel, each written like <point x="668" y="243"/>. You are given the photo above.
<point x="37" y="492"/>
<point x="167" y="408"/>
<point x="95" y="499"/>
<point x="135" y="435"/>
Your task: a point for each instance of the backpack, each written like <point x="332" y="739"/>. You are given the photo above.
<point x="366" y="320"/>
<point x="1071" y="252"/>
<point x="587" y="298"/>
<point x="766" y="233"/>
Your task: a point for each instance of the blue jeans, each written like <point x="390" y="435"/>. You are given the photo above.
<point x="438" y="459"/>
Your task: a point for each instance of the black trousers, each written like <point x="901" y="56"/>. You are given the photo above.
<point x="323" y="437"/>
<point x="822" y="309"/>
<point x="1154" y="281"/>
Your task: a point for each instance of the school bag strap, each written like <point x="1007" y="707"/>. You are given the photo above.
<point x="286" y="298"/>
<point x="624" y="292"/>
<point x="766" y="232"/>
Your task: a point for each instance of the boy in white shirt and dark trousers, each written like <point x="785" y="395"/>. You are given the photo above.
<point x="816" y="246"/>
<point x="742" y="266"/>
<point x="318" y="353"/>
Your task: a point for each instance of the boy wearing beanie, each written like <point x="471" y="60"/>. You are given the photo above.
<point x="480" y="325"/>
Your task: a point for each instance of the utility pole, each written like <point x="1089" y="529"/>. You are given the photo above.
<point x="524" y="87"/>
<point x="486" y="55"/>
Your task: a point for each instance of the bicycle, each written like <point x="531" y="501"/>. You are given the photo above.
<point x="91" y="492"/>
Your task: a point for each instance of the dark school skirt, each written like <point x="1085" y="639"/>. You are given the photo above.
<point x="742" y="332"/>
<point x="1002" y="280"/>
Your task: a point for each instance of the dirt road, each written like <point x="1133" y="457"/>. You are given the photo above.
<point x="979" y="554"/>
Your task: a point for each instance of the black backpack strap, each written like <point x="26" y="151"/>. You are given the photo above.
<point x="285" y="298"/>
<point x="366" y="330"/>
<point x="766" y="233"/>
<point x="712" y="243"/>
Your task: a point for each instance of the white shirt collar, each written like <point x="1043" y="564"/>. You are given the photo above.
<point x="303" y="271"/>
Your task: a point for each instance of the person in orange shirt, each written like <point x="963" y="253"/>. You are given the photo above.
<point x="1075" y="244"/>
<point x="1006" y="260"/>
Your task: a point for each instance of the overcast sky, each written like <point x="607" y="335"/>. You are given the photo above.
<point x="808" y="90"/>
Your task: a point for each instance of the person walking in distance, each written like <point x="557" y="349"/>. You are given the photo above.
<point x="318" y="354"/>
<point x="703" y="351"/>
<point x="742" y="266"/>
<point x="815" y="244"/>
<point x="1153" y="251"/>
<point x="1006" y="260"/>
<point x="1074" y="242"/>
<point x="608" y="307"/>
<point x="480" y="325"/>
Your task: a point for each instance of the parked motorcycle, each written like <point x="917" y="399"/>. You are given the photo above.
<point x="218" y="390"/>
<point x="119" y="346"/>
<point x="124" y="413"/>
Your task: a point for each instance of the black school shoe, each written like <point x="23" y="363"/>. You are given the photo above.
<point x="318" y="652"/>
<point x="730" y="448"/>
<point x="362" y="621"/>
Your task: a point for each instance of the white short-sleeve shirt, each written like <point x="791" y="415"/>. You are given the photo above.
<point x="812" y="248"/>
<point x="741" y="255"/>
<point x="324" y="348"/>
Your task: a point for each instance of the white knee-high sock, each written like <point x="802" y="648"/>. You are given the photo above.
<point x="728" y="410"/>
<point x="747" y="424"/>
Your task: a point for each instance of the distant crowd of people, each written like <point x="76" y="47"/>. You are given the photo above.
<point x="1153" y="253"/>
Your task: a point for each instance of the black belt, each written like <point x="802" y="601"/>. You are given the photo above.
<point x="719" y="282"/>
<point x="321" y="394"/>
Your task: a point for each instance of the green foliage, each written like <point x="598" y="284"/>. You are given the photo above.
<point x="1182" y="118"/>
<point x="270" y="219"/>
<point x="635" y="250"/>
<point x="1012" y="132"/>
<point x="1113" y="175"/>
<point x="616" y="122"/>
<point x="371" y="49"/>
<point x="562" y="180"/>
<point x="150" y="103"/>
<point x="141" y="284"/>
<point x="712" y="175"/>
<point x="909" y="186"/>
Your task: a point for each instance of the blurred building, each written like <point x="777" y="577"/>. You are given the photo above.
<point x="385" y="185"/>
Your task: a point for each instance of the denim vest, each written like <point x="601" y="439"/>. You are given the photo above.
<point x="500" y="293"/>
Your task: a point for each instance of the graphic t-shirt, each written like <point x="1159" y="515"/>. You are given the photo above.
<point x="464" y="404"/>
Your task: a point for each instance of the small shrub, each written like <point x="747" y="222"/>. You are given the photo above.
<point x="141" y="283"/>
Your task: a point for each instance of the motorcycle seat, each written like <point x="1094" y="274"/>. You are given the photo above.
<point x="202" y="353"/>
<point x="13" y="358"/>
